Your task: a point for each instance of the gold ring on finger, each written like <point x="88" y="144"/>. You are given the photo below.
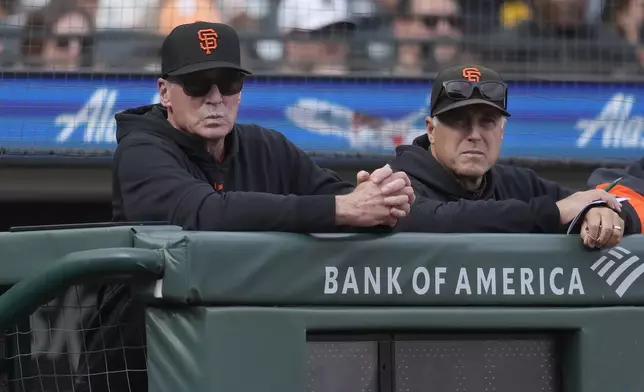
<point x="592" y="238"/>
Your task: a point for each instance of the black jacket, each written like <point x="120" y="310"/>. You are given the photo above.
<point x="515" y="200"/>
<point x="264" y="183"/>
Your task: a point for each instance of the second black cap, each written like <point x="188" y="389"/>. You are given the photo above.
<point x="441" y="103"/>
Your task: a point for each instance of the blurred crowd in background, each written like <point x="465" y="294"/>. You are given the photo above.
<point x="596" y="38"/>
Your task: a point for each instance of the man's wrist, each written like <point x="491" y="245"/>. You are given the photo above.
<point x="343" y="211"/>
<point x="563" y="216"/>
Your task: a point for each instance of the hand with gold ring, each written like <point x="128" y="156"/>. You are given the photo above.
<point x="602" y="227"/>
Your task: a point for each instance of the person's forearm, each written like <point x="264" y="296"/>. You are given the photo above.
<point x="540" y="215"/>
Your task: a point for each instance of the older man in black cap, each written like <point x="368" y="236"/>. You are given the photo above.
<point x="461" y="188"/>
<point x="188" y="162"/>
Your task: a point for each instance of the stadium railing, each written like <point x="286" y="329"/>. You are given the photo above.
<point x="293" y="312"/>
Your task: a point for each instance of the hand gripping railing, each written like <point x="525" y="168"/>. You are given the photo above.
<point x="109" y="264"/>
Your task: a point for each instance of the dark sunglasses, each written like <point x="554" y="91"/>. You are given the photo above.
<point x="198" y="85"/>
<point x="431" y="21"/>
<point x="459" y="90"/>
<point x="63" y="41"/>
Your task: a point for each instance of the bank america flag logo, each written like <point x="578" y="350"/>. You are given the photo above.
<point x="619" y="269"/>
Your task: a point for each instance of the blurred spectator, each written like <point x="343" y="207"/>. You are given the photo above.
<point x="58" y="36"/>
<point x="336" y="37"/>
<point x="111" y="14"/>
<point x="7" y="8"/>
<point x="421" y="20"/>
<point x="557" y="36"/>
<point x="514" y="12"/>
<point x="163" y="15"/>
<point x="626" y="18"/>
<point x="242" y="14"/>
<point x="176" y="12"/>
<point x="564" y="17"/>
<point x="315" y="34"/>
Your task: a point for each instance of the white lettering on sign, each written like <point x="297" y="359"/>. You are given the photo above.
<point x="350" y="282"/>
<point x="330" y="280"/>
<point x="467" y="281"/>
<point x="463" y="283"/>
<point x="392" y="280"/>
<point x="95" y="119"/>
<point x="618" y="129"/>
<point x="526" y="281"/>
<point x="508" y="281"/>
<point x="486" y="284"/>
<point x="439" y="272"/>
<point x="422" y="280"/>
<point x="553" y="287"/>
<point x="426" y="281"/>
<point x="371" y="281"/>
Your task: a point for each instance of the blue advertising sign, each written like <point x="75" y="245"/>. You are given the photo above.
<point x="549" y="120"/>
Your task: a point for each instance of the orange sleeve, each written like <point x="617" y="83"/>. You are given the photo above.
<point x="636" y="199"/>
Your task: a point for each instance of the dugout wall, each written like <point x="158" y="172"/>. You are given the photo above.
<point x="244" y="311"/>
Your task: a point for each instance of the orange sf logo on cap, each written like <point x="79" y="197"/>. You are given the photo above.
<point x="209" y="40"/>
<point x="472" y="74"/>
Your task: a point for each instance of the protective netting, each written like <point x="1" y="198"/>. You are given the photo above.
<point x="362" y="87"/>
<point x="49" y="350"/>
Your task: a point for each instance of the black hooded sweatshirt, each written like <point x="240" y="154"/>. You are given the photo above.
<point x="513" y="200"/>
<point x="264" y="183"/>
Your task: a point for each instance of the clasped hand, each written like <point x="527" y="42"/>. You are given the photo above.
<point x="602" y="226"/>
<point x="380" y="198"/>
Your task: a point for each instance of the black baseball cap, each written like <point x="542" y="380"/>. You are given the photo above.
<point x="200" y="46"/>
<point x="441" y="102"/>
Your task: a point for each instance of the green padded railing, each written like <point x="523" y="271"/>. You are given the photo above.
<point x="78" y="267"/>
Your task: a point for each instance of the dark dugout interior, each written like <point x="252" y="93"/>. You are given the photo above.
<point x="52" y="191"/>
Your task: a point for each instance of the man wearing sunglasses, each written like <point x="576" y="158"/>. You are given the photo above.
<point x="188" y="162"/>
<point x="460" y="187"/>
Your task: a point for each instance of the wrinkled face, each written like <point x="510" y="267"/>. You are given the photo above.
<point x="467" y="140"/>
<point x="203" y="103"/>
